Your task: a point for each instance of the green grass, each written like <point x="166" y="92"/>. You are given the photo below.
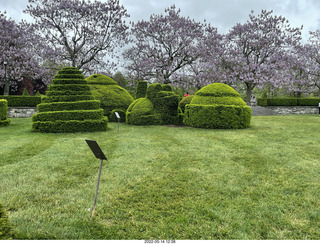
<point x="165" y="182"/>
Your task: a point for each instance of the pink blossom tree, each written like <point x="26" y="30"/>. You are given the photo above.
<point x="255" y="51"/>
<point x="20" y="54"/>
<point x="82" y="32"/>
<point x="166" y="47"/>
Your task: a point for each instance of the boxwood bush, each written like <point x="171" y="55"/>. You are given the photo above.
<point x="6" y="231"/>
<point x="110" y="94"/>
<point x="218" y="106"/>
<point x="4" y="121"/>
<point x="159" y="107"/>
<point x="69" y="106"/>
<point x="142" y="89"/>
<point x="184" y="101"/>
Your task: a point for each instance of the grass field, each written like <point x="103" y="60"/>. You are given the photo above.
<point x="165" y="182"/>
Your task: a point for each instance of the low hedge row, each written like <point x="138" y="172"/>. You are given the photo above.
<point x="70" y="126"/>
<point x="22" y="101"/>
<point x="288" y="101"/>
<point x="218" y="116"/>
<point x="60" y="106"/>
<point x="69" y="115"/>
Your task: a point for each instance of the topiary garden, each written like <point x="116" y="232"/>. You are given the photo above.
<point x="110" y="94"/>
<point x="4" y="121"/>
<point x="69" y="106"/>
<point x="159" y="107"/>
<point x="218" y="106"/>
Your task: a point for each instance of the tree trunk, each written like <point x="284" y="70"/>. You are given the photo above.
<point x="6" y="87"/>
<point x="249" y="87"/>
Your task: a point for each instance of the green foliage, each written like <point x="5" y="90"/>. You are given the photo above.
<point x="142" y="89"/>
<point x="6" y="232"/>
<point x="184" y="101"/>
<point x="141" y="112"/>
<point x="109" y="94"/>
<point x="38" y="94"/>
<point x="22" y="101"/>
<point x="4" y="121"/>
<point x="69" y="106"/>
<point x="99" y="79"/>
<point x="288" y="101"/>
<point x="70" y="126"/>
<point x="217" y="106"/>
<point x="60" y="106"/>
<point x="25" y="92"/>
<point x="159" y="107"/>
<point x="218" y="116"/>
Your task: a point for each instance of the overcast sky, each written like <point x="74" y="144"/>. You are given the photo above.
<point x="222" y="14"/>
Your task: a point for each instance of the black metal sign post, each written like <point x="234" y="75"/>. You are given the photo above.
<point x="118" y="117"/>
<point x="100" y="155"/>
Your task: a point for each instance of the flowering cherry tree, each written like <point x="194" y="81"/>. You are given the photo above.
<point x="81" y="32"/>
<point x="164" y="47"/>
<point x="255" y="51"/>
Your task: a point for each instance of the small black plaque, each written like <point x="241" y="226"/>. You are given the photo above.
<point x="96" y="149"/>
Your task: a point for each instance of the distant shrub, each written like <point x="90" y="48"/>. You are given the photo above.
<point x="159" y="107"/>
<point x="25" y="92"/>
<point x="184" y="101"/>
<point x="6" y="231"/>
<point x="217" y="106"/>
<point x="309" y="101"/>
<point x="142" y="89"/>
<point x="4" y="121"/>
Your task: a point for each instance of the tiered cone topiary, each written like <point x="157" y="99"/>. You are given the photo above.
<point x="69" y="106"/>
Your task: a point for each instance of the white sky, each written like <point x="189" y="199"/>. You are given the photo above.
<point x="220" y="13"/>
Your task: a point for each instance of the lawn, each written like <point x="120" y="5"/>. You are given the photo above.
<point x="164" y="182"/>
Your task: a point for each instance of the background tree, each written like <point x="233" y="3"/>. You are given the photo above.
<point x="82" y="32"/>
<point x="20" y="48"/>
<point x="255" y="51"/>
<point x="164" y="46"/>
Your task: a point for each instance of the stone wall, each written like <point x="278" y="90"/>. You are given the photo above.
<point x="21" y="112"/>
<point x="294" y="109"/>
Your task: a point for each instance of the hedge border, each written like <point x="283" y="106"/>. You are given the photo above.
<point x="288" y="101"/>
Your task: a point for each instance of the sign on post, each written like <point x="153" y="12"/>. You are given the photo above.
<point x="118" y="117"/>
<point x="100" y="155"/>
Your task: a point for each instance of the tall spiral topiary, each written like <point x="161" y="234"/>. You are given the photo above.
<point x="4" y="121"/>
<point x="69" y="106"/>
<point x="218" y="106"/>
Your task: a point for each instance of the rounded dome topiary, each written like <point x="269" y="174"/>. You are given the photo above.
<point x="109" y="93"/>
<point x="217" y="106"/>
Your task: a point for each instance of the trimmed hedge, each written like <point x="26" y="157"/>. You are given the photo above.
<point x="70" y="126"/>
<point x="217" y="106"/>
<point x="69" y="115"/>
<point x="22" y="101"/>
<point x="4" y="121"/>
<point x="159" y="107"/>
<point x="6" y="231"/>
<point x="218" y="116"/>
<point x="60" y="106"/>
<point x="184" y="101"/>
<point x="69" y="106"/>
<point x="288" y="101"/>
<point x="110" y="95"/>
<point x="142" y="89"/>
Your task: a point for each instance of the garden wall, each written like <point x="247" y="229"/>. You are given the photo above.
<point x="294" y="109"/>
<point x="21" y="112"/>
